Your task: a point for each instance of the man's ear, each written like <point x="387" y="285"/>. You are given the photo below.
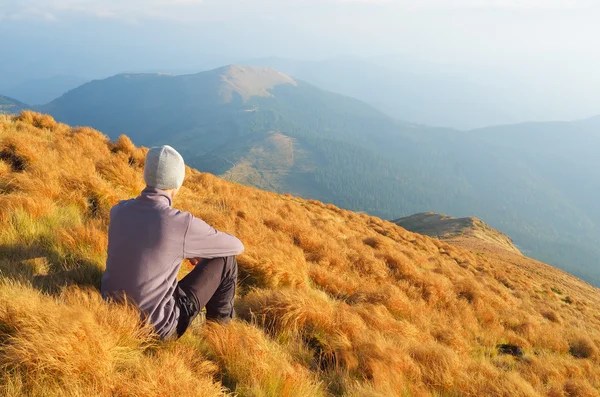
<point x="174" y="193"/>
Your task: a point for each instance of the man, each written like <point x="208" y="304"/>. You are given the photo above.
<point x="147" y="242"/>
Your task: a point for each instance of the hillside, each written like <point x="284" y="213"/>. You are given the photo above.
<point x="330" y="302"/>
<point x="455" y="230"/>
<point x="10" y="106"/>
<point x="259" y="127"/>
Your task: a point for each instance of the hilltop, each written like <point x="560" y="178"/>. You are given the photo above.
<point x="259" y="127"/>
<point x="249" y="81"/>
<point x="453" y="230"/>
<point x="10" y="106"/>
<point x="330" y="302"/>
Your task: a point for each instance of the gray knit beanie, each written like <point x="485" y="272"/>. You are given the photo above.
<point x="164" y="168"/>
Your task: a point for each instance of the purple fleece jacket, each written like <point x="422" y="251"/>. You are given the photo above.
<point x="147" y="242"/>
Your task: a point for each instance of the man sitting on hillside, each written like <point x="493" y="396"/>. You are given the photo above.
<point x="147" y="242"/>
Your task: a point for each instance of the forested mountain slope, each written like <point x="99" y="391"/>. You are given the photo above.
<point x="330" y="302"/>
<point x="257" y="126"/>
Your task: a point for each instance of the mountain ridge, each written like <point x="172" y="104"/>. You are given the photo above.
<point x="456" y="230"/>
<point x="406" y="92"/>
<point x="10" y="105"/>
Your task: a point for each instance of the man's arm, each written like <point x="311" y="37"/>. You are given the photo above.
<point x="203" y="241"/>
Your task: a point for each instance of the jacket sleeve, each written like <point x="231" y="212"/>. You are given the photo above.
<point x="203" y="241"/>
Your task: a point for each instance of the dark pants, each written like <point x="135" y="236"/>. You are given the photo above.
<point x="212" y="284"/>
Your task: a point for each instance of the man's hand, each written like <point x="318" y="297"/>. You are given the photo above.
<point x="194" y="261"/>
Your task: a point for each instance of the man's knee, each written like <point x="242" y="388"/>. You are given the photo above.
<point x="231" y="266"/>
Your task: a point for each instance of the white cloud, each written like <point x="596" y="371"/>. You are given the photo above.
<point x="365" y="1"/>
<point x="132" y="10"/>
<point x="30" y="12"/>
<point x="117" y="9"/>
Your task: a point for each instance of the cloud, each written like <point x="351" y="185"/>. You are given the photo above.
<point x="28" y="13"/>
<point x="365" y="1"/>
<point x="116" y="9"/>
<point x="480" y="4"/>
<point x="134" y="10"/>
<point x="507" y="4"/>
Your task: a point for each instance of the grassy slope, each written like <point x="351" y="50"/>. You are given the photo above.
<point x="262" y="160"/>
<point x="330" y="301"/>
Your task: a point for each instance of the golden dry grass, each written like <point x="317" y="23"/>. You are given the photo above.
<point x="331" y="302"/>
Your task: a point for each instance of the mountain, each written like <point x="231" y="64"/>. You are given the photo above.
<point x="43" y="90"/>
<point x="410" y="91"/>
<point x="330" y="302"/>
<point x="257" y="126"/>
<point x="456" y="231"/>
<point x="9" y="105"/>
<point x="223" y="118"/>
<point x="161" y="97"/>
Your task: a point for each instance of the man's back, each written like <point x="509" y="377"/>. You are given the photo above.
<point x="145" y="250"/>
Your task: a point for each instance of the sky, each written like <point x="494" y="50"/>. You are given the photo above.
<point x="547" y="47"/>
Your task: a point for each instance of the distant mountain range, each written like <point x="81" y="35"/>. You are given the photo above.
<point x="9" y="105"/>
<point x="255" y="125"/>
<point x="409" y="92"/>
